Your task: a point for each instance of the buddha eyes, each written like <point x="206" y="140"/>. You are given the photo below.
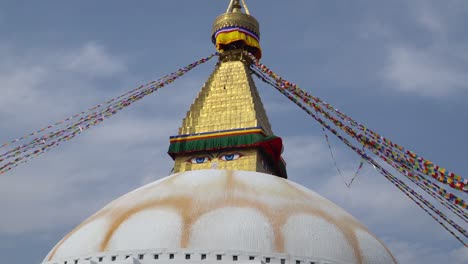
<point x="205" y="159"/>
<point x="199" y="160"/>
<point x="230" y="157"/>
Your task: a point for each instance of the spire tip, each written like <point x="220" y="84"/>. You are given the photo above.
<point x="235" y="6"/>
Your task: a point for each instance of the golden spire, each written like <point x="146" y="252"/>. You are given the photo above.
<point x="227" y="126"/>
<point x="235" y="7"/>
<point x="228" y="100"/>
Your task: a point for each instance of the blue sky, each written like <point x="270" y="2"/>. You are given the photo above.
<point x="397" y="66"/>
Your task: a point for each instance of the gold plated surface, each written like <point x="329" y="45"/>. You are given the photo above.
<point x="228" y="100"/>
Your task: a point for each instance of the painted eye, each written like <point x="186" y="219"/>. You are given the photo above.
<point x="230" y="157"/>
<point x="199" y="160"/>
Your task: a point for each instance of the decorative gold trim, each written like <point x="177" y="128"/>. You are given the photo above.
<point x="236" y="20"/>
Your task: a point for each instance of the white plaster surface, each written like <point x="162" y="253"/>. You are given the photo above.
<point x="233" y="228"/>
<point x="225" y="210"/>
<point x="369" y="243"/>
<point x="321" y="239"/>
<point x="84" y="242"/>
<point x="143" y="231"/>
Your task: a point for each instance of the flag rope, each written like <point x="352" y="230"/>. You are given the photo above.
<point x="66" y="130"/>
<point x="277" y="82"/>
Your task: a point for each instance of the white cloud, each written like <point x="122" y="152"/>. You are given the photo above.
<point x="459" y="255"/>
<point x="369" y="193"/>
<point x="80" y="177"/>
<point x="19" y="85"/>
<point x="371" y="199"/>
<point x="93" y="60"/>
<point x="366" y="191"/>
<point x="302" y="152"/>
<point x="46" y="82"/>
<point x="424" y="72"/>
<point x="69" y="183"/>
<point x="132" y="130"/>
<point x="381" y="204"/>
<point x="407" y="253"/>
<point x="434" y="65"/>
<point x="430" y="20"/>
<point x="61" y="187"/>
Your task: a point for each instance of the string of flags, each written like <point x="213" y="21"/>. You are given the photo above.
<point x="401" y="167"/>
<point x="377" y="141"/>
<point x="55" y="134"/>
<point x="310" y="100"/>
<point x="420" y="171"/>
<point x="404" y="161"/>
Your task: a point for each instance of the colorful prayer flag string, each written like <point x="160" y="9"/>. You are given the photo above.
<point x="93" y="116"/>
<point x="374" y="139"/>
<point x="451" y="198"/>
<point x="283" y="84"/>
<point x="273" y="79"/>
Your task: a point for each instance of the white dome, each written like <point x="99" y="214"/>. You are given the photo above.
<point x="218" y="210"/>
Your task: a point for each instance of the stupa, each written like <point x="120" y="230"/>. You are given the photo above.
<point x="229" y="200"/>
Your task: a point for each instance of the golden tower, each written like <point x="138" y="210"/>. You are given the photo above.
<point x="227" y="126"/>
